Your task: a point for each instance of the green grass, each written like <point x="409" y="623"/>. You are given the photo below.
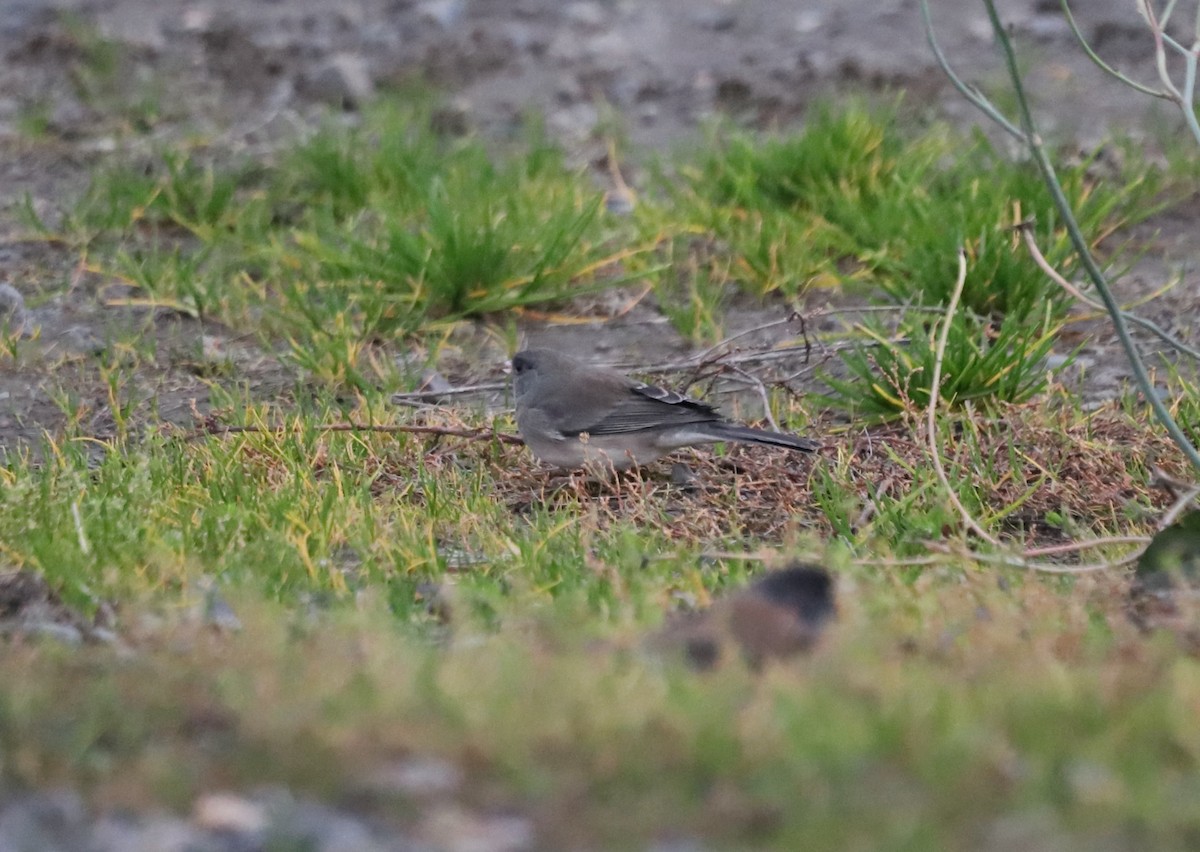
<point x="992" y="362"/>
<point x="954" y="704"/>
<point x="358" y="237"/>
<point x="855" y="197"/>
<point x="354" y="238"/>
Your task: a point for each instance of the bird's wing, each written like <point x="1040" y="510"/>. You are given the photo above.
<point x="649" y="407"/>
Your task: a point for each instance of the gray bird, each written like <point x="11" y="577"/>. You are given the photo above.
<point x="573" y="415"/>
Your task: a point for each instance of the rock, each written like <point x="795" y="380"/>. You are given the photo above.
<point x="67" y="634"/>
<point x="30" y="608"/>
<point x="585" y="14"/>
<point x="681" y="844"/>
<point x="197" y="18"/>
<point x="229" y="813"/>
<point x="421" y="776"/>
<point x="69" y="118"/>
<point x="575" y="123"/>
<point x="718" y="20"/>
<point x="23" y="18"/>
<point x="303" y="824"/>
<point x="809" y="21"/>
<point x="212" y="610"/>
<point x="44" y="821"/>
<point x="454" y="829"/>
<point x="452" y="118"/>
<point x="444" y="13"/>
<point x="158" y="833"/>
<point x="342" y="80"/>
<point x="81" y="340"/>
<point x="683" y="477"/>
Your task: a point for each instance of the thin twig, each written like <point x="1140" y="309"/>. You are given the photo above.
<point x="1041" y="567"/>
<point x="913" y="561"/>
<point x="758" y="385"/>
<point x="871" y="508"/>
<point x="1160" y="53"/>
<point x="830" y="351"/>
<point x="417" y="396"/>
<point x="1086" y="544"/>
<point x="969" y="92"/>
<point x="931" y="410"/>
<point x="1180" y="505"/>
<point x="710" y="353"/>
<point x="781" y="353"/>
<point x="879" y="309"/>
<point x="481" y="434"/>
<point x="1026" y="229"/>
<point x="1104" y="66"/>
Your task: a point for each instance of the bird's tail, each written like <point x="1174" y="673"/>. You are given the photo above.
<point x="750" y="435"/>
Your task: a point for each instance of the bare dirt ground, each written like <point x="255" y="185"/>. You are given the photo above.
<point x="247" y="75"/>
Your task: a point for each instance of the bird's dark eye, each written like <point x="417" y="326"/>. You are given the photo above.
<point x="520" y="364"/>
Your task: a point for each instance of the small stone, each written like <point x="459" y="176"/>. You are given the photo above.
<point x="444" y="13"/>
<point x="99" y="145"/>
<point x="44" y="821"/>
<point x="83" y="341"/>
<point x="455" y="829"/>
<point x="229" y="812"/>
<point x="524" y="38"/>
<point x="680" y="844"/>
<point x="220" y="615"/>
<point x="69" y="118"/>
<point x="22" y="18"/>
<point x="428" y="776"/>
<point x="197" y="18"/>
<point x="67" y="634"/>
<point x="584" y="14"/>
<point x="131" y="833"/>
<point x="1095" y="784"/>
<point x="452" y="118"/>
<point x="809" y="21"/>
<point x="303" y="824"/>
<point x="216" y="612"/>
<point x="717" y="20"/>
<point x="683" y="477"/>
<point x="103" y="636"/>
<point x="575" y="123"/>
<point x="342" y="80"/>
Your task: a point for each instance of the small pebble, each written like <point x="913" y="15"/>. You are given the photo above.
<point x="419" y="777"/>
<point x="229" y="812"/>
<point x="342" y="80"/>
<point x="444" y="13"/>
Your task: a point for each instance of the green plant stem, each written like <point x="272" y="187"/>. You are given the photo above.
<point x="969" y="92"/>
<point x="1033" y="140"/>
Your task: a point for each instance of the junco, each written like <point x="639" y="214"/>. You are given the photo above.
<point x="777" y="616"/>
<point x="573" y="414"/>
